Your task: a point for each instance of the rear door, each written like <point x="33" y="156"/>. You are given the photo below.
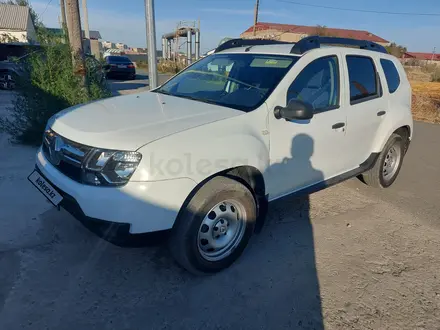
<point x="366" y="106"/>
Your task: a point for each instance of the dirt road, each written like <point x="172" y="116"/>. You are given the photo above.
<point x="349" y="257"/>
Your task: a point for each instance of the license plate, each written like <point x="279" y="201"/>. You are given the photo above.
<point x="122" y="66"/>
<point x="45" y="188"/>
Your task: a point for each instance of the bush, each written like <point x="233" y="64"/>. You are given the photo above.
<point x="167" y="66"/>
<point x="48" y="87"/>
<point x="142" y="64"/>
<point x="435" y="76"/>
<point x="429" y="67"/>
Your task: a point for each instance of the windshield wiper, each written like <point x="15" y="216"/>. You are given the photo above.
<point x="197" y="99"/>
<point x="162" y="92"/>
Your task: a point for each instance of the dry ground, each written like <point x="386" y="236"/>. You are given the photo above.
<point x="426" y="96"/>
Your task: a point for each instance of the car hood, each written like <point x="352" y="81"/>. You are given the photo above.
<point x="131" y="121"/>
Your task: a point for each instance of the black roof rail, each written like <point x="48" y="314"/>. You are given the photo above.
<point x="313" y="42"/>
<point x="233" y="43"/>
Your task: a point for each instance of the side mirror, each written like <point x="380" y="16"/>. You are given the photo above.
<point x="295" y="110"/>
<point x="106" y="66"/>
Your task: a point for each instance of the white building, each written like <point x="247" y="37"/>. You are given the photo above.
<point x="108" y="44"/>
<point x="16" y="24"/>
<point x="121" y="46"/>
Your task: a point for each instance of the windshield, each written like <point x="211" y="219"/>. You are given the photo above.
<point x="239" y="81"/>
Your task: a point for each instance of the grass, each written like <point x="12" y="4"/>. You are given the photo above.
<point x="426" y="101"/>
<point x="425" y="92"/>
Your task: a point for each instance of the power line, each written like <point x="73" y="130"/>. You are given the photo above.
<point x="357" y="10"/>
<point x="41" y="15"/>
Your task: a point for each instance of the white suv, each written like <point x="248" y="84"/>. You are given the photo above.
<point x="204" y="153"/>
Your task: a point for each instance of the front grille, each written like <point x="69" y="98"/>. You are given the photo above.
<point x="67" y="156"/>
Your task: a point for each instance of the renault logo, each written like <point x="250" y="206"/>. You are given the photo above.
<point x="56" y="150"/>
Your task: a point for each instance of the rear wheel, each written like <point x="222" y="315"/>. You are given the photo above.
<point x="215" y="226"/>
<point x="388" y="164"/>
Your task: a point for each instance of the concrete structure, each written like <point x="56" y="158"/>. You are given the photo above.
<point x="294" y="33"/>
<point x="171" y="43"/>
<point x="16" y="25"/>
<point x="420" y="59"/>
<point x="423" y="57"/>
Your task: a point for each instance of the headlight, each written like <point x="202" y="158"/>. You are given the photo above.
<point x="110" y="168"/>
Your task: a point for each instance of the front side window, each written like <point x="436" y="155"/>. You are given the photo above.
<point x="317" y="84"/>
<point x="363" y="78"/>
<point x="239" y="81"/>
<point x="391" y="74"/>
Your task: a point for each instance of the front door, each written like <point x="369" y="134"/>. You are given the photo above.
<point x="303" y="153"/>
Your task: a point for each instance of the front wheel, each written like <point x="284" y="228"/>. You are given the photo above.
<point x="388" y="164"/>
<point x="214" y="228"/>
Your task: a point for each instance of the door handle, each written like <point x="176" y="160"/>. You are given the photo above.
<point x="338" y="125"/>
<point x="381" y="113"/>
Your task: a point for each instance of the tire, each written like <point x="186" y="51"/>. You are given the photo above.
<point x="222" y="210"/>
<point x="381" y="175"/>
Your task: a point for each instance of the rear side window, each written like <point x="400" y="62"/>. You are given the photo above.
<point x="363" y="79"/>
<point x="393" y="78"/>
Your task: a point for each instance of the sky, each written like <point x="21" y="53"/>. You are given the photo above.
<point x="124" y="21"/>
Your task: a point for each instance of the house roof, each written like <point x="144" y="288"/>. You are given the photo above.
<point x="93" y="34"/>
<point x="422" y="56"/>
<point x="311" y="30"/>
<point x="14" y="17"/>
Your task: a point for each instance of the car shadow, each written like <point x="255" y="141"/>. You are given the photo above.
<point x="95" y="284"/>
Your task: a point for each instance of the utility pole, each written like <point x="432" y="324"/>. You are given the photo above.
<point x="86" y="26"/>
<point x="257" y="5"/>
<point x="63" y="14"/>
<point x="433" y="54"/>
<point x="64" y="22"/>
<point x="75" y="39"/>
<point x="151" y="43"/>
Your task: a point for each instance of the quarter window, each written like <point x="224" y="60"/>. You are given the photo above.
<point x="391" y="74"/>
<point x="363" y="79"/>
<point x="317" y="84"/>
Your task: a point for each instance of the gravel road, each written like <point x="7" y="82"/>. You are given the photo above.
<point x="349" y="257"/>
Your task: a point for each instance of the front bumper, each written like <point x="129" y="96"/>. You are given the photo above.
<point x="140" y="207"/>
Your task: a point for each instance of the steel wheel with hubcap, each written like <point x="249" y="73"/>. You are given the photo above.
<point x="214" y="227"/>
<point x="388" y="164"/>
<point x="391" y="162"/>
<point x="221" y="230"/>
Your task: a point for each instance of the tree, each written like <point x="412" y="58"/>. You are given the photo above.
<point x="396" y="50"/>
<point x="321" y="30"/>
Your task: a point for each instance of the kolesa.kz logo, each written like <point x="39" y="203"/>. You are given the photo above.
<point x="47" y="189"/>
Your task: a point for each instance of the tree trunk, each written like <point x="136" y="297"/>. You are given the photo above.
<point x="75" y="38"/>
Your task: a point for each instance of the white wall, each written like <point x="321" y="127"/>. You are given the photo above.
<point x="31" y="34"/>
<point x="20" y="35"/>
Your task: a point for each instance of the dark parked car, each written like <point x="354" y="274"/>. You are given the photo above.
<point x="120" y="67"/>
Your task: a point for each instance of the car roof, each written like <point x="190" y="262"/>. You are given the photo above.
<point x="285" y="49"/>
<point x="303" y="46"/>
